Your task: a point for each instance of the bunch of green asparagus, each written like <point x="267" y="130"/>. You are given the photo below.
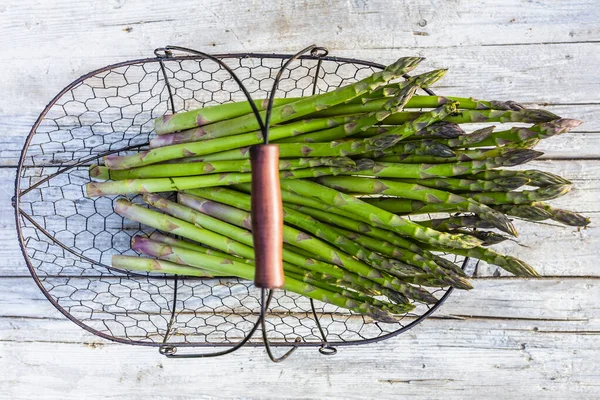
<point x="355" y="163"/>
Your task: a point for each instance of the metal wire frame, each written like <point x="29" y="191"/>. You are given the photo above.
<point x="317" y="53"/>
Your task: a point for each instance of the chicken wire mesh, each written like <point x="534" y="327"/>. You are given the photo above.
<point x="68" y="239"/>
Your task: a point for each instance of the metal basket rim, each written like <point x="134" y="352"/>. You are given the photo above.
<point x="37" y="280"/>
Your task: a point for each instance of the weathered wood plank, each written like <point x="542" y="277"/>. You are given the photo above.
<point x="126" y="28"/>
<point x="552" y="343"/>
<point x="527" y="337"/>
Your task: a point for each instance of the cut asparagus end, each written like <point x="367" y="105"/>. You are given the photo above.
<point x="98" y="171"/>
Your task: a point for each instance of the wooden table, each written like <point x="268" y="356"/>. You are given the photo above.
<point x="509" y="337"/>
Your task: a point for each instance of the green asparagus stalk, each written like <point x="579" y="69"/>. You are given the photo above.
<point x="245" y="271"/>
<point x="427" y="280"/>
<point x="540" y="131"/>
<point x="294" y="271"/>
<point x="456" y="222"/>
<point x="463" y="156"/>
<point x="374" y="215"/>
<point x="488" y="238"/>
<point x="424" y="147"/>
<point x="208" y="115"/>
<point x="156" y="185"/>
<point x="348" y="147"/>
<point x="412" y="253"/>
<point x="430" y="266"/>
<point x="534" y="177"/>
<point x="154" y="265"/>
<point x="306" y="105"/>
<point x="360" y="124"/>
<point x="241" y="217"/>
<point x="470" y="185"/>
<point x="524" y="211"/>
<point x="522" y="197"/>
<point x="418" y="192"/>
<point x="508" y="263"/>
<point x="467" y="140"/>
<point x="539" y="211"/>
<point x="440" y="130"/>
<point x="202" y="168"/>
<point x="525" y="144"/>
<point x="185" y="229"/>
<point x="563" y="216"/>
<point x="464" y="117"/>
<point x="424" y="80"/>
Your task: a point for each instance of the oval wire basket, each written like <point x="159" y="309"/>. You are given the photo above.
<point x="68" y="239"/>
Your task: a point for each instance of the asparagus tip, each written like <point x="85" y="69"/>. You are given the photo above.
<point x="518" y="156"/>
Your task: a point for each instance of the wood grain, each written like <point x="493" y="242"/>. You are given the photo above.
<point x="520" y="341"/>
<point x="505" y="339"/>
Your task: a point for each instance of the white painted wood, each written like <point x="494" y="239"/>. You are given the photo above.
<point x="506" y="334"/>
<point x="529" y="338"/>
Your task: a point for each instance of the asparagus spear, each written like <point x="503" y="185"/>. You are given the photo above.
<point x="412" y="253"/>
<point x="156" y="185"/>
<point x="456" y="222"/>
<point x="293" y="271"/>
<point x="387" y="107"/>
<point x="534" y="177"/>
<point x="345" y="148"/>
<point x="467" y="155"/>
<point x="446" y="276"/>
<point x="360" y="124"/>
<point x="522" y="197"/>
<point x="424" y="147"/>
<point x="239" y="217"/>
<point x="463" y="117"/>
<point x="539" y="211"/>
<point x="540" y="131"/>
<point x="208" y="115"/>
<point x="375" y="215"/>
<point x="417" y="192"/>
<point x="467" y="140"/>
<point x="185" y="229"/>
<point x="420" y="102"/>
<point x="470" y="185"/>
<point x="154" y="265"/>
<point x="254" y="137"/>
<point x="233" y="268"/>
<point x="441" y="129"/>
<point x="202" y="168"/>
<point x="488" y="238"/>
<point x="390" y="90"/>
<point x="510" y="264"/>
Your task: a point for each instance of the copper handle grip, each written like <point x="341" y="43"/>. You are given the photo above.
<point x="267" y="216"/>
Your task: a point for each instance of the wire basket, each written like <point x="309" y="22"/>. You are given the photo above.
<point x="68" y="239"/>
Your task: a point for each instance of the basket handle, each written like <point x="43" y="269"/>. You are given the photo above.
<point x="267" y="216"/>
